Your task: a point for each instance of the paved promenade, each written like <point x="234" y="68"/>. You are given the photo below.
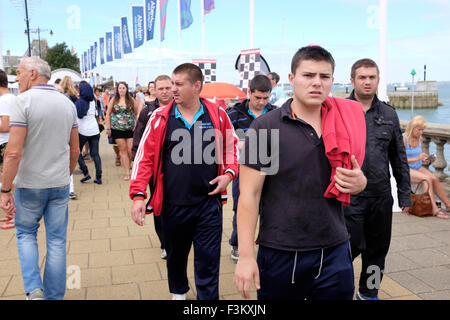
<point x="120" y="260"/>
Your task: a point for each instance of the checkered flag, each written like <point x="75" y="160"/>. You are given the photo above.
<point x="250" y="63"/>
<point x="208" y="67"/>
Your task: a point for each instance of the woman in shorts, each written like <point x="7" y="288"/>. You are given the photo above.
<point x="120" y="120"/>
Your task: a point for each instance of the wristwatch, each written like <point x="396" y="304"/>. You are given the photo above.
<point x="5" y="191"/>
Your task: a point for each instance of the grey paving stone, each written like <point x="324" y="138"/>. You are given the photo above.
<point x="437" y="295"/>
<point x="443" y="236"/>
<point x="427" y="257"/>
<point x="436" y="277"/>
<point x="410" y="282"/>
<point x="411" y="242"/>
<point x="396" y="262"/>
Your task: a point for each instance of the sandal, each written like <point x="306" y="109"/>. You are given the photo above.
<point x="126" y="177"/>
<point x="440" y="214"/>
<point x="118" y="164"/>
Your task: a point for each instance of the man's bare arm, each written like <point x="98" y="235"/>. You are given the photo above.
<point x="251" y="183"/>
<point x="74" y="149"/>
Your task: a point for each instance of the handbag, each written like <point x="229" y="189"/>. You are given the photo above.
<point x="421" y="203"/>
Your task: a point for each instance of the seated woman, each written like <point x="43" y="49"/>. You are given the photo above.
<point x="412" y="139"/>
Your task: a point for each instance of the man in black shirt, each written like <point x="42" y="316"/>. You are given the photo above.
<point x="369" y="216"/>
<point x="303" y="242"/>
<point x="242" y="115"/>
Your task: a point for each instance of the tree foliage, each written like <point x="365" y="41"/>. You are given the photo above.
<point x="59" y="56"/>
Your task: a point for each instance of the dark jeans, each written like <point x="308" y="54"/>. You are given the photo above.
<point x="93" y="151"/>
<point x="369" y="223"/>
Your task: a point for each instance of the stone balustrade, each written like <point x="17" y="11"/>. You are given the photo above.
<point x="439" y="134"/>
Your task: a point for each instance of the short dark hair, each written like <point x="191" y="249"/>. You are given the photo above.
<point x="162" y="77"/>
<point x="58" y="81"/>
<point x="366" y="63"/>
<point x="193" y="72"/>
<point x="97" y="89"/>
<point x="3" y="79"/>
<point x="315" y="53"/>
<point x="275" y="76"/>
<point x="261" y="83"/>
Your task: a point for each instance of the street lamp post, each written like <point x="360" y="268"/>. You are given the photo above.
<point x="38" y="31"/>
<point x="28" y="28"/>
<point x="413" y="73"/>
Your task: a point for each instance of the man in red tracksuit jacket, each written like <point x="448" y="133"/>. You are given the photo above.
<point x="188" y="153"/>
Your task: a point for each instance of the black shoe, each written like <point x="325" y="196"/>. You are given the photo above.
<point x="98" y="181"/>
<point x="86" y="178"/>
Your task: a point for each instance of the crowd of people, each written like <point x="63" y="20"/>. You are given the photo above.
<point x="319" y="184"/>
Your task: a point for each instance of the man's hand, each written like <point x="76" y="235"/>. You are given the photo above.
<point x="222" y="183"/>
<point x="405" y="209"/>
<point x="350" y="181"/>
<point x="8" y="204"/>
<point x="246" y="272"/>
<point x="138" y="212"/>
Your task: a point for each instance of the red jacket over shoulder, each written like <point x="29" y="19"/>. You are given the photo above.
<point x="344" y="135"/>
<point x="148" y="167"/>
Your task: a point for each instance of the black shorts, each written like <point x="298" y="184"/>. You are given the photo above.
<point x="118" y="134"/>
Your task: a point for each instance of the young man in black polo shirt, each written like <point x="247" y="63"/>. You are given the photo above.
<point x="303" y="242"/>
<point x="241" y="115"/>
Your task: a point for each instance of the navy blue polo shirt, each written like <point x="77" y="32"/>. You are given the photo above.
<point x="189" y="158"/>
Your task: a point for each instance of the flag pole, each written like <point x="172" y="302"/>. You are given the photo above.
<point x="252" y="22"/>
<point x="179" y="25"/>
<point x="202" y="10"/>
<point x="158" y="10"/>
<point x="382" y="88"/>
<point x="1" y="55"/>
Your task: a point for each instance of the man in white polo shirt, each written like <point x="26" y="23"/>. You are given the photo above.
<point x="41" y="155"/>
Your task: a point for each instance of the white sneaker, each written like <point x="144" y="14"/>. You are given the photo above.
<point x="179" y="296"/>
<point x="164" y="254"/>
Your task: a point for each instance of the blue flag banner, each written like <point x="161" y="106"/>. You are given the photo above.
<point x="126" y="37"/>
<point x="89" y="59"/>
<point x="102" y="50"/>
<point x="138" y="25"/>
<point x="109" y="47"/>
<point x="92" y="58"/>
<point x="82" y="64"/>
<point x="186" y="15"/>
<point x="208" y="5"/>
<point x="117" y="43"/>
<point x="150" y="14"/>
<point x="85" y="61"/>
<point x="95" y="54"/>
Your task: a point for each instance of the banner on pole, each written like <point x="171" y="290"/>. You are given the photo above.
<point x="102" y="50"/>
<point x="208" y="5"/>
<point x="138" y="25"/>
<point x="95" y="54"/>
<point x="163" y="15"/>
<point x="117" y="43"/>
<point x="185" y="14"/>
<point x="126" y="37"/>
<point x="150" y="14"/>
<point x="109" y="47"/>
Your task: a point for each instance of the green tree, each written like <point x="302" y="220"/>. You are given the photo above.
<point x="59" y="56"/>
<point x="13" y="72"/>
